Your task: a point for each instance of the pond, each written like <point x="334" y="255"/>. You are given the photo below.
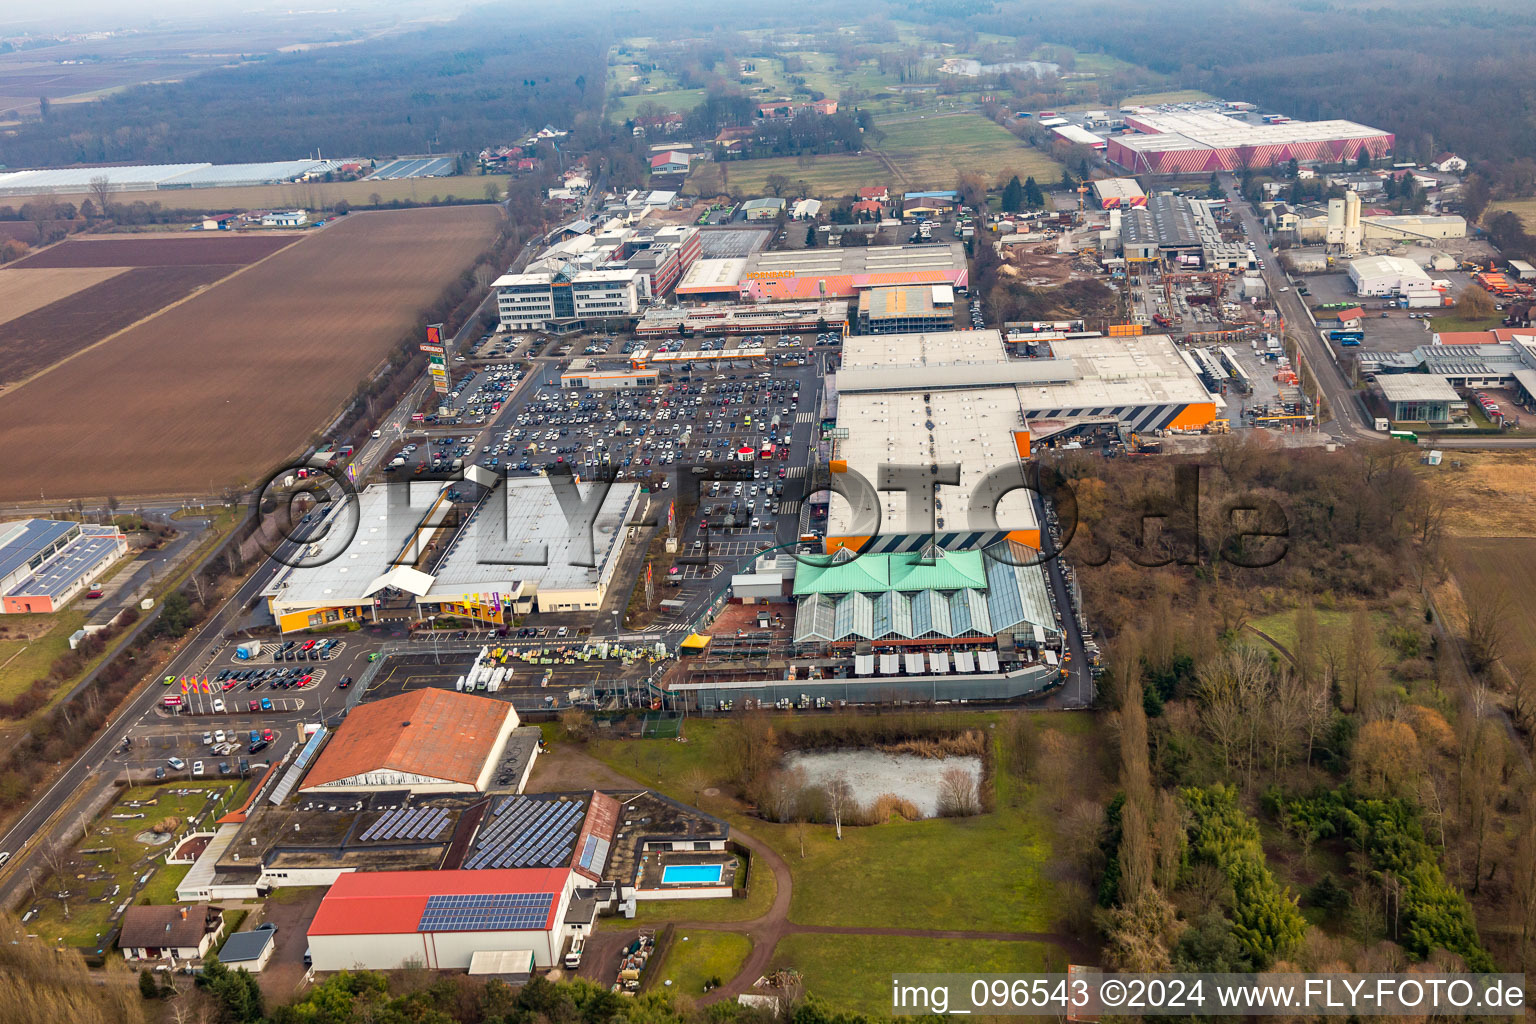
<point x="873" y="773"/>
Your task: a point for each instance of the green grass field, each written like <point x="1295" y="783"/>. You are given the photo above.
<point x="853" y="972"/>
<point x="122" y="859"/>
<point x="697" y="956"/>
<point x="927" y="153"/>
<point x="930" y="152"/>
<point x="867" y="879"/>
<point x="1453" y="322"/>
<point x="22" y="661"/>
<point x="680" y="101"/>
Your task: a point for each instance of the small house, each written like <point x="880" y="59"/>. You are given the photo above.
<point x="169" y="933"/>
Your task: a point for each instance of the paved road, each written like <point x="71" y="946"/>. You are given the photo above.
<point x="1352" y="421"/>
<point x="23" y="841"/>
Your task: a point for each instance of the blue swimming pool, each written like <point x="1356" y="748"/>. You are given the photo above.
<point x="691" y="874"/>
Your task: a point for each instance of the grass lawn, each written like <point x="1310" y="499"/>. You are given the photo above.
<point x="161" y="890"/>
<point x="1525" y="208"/>
<point x="927" y="153"/>
<point x="930" y="152"/>
<point x="868" y="879"/>
<point x="679" y="101"/>
<point x="761" y="889"/>
<point x="23" y="661"/>
<point x="830" y="175"/>
<point x="853" y="972"/>
<point x="120" y="859"/>
<point x="698" y="956"/>
<point x="1455" y="322"/>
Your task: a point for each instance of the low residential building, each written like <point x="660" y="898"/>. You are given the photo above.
<point x="423" y="741"/>
<point x="169" y="932"/>
<point x="1448" y="163"/>
<point x="928" y="204"/>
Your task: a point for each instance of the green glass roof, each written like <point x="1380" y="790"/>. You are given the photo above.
<point x="902" y="570"/>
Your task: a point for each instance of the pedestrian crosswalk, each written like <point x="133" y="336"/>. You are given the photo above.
<point x="788" y="508"/>
<point x="804" y="417"/>
<point x="795" y="473"/>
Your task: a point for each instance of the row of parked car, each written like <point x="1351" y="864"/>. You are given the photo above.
<point x="253" y="678"/>
<point x="306" y="650"/>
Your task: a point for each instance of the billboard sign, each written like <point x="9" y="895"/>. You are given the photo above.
<point x="437" y="358"/>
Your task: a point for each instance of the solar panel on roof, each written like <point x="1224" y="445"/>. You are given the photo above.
<point x="523" y="911"/>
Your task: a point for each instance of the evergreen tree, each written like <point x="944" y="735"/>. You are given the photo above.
<point x="1013" y="196"/>
<point x="1034" y="199"/>
<point x="147" y="987"/>
<point x="1213" y="190"/>
<point x="810" y="234"/>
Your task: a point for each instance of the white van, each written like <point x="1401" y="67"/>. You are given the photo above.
<point x="573" y="955"/>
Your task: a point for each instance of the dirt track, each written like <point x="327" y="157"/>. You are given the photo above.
<point x="164" y="251"/>
<point x="219" y="389"/>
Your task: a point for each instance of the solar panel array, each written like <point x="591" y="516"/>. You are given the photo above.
<point x="497" y="911"/>
<point x="594" y="854"/>
<point x="528" y="833"/>
<point x="408" y="823"/>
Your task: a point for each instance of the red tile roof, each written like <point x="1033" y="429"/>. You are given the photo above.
<point x="875" y="192"/>
<point x="392" y="902"/>
<point x="442" y="734"/>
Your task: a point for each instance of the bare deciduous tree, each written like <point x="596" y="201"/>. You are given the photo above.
<point x="958" y="797"/>
<point x="839" y="799"/>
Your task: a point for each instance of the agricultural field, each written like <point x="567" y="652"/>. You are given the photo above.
<point x="22" y="291"/>
<point x="1151" y="99"/>
<point x="135" y="278"/>
<point x="219" y="389"/>
<point x="33" y="342"/>
<point x="929" y="152"/>
<point x="187" y="251"/>
<point x="23" y="82"/>
<point x="309" y="196"/>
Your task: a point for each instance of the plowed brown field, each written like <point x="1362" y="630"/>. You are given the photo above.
<point x="35" y="341"/>
<point x="220" y="389"/>
<point x="22" y="291"/>
<point x="175" y="251"/>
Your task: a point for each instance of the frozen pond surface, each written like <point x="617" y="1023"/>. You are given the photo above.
<point x="872" y="773"/>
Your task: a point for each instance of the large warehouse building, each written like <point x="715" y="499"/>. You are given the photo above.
<point x="801" y="275"/>
<point x="386" y="920"/>
<point x="515" y="554"/>
<point x="956" y="397"/>
<point x="1200" y="142"/>
<point x="45" y="563"/>
<point x="424" y="741"/>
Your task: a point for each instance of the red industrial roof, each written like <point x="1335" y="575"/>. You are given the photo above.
<point x="441" y="734"/>
<point x="669" y="157"/>
<point x="392" y="902"/>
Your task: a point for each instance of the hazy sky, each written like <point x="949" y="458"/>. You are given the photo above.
<point x="87" y="15"/>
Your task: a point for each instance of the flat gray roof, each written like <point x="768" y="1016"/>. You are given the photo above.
<point x="1416" y="387"/>
<point x="532" y="542"/>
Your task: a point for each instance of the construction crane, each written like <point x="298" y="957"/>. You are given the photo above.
<point x="1080" y="190"/>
